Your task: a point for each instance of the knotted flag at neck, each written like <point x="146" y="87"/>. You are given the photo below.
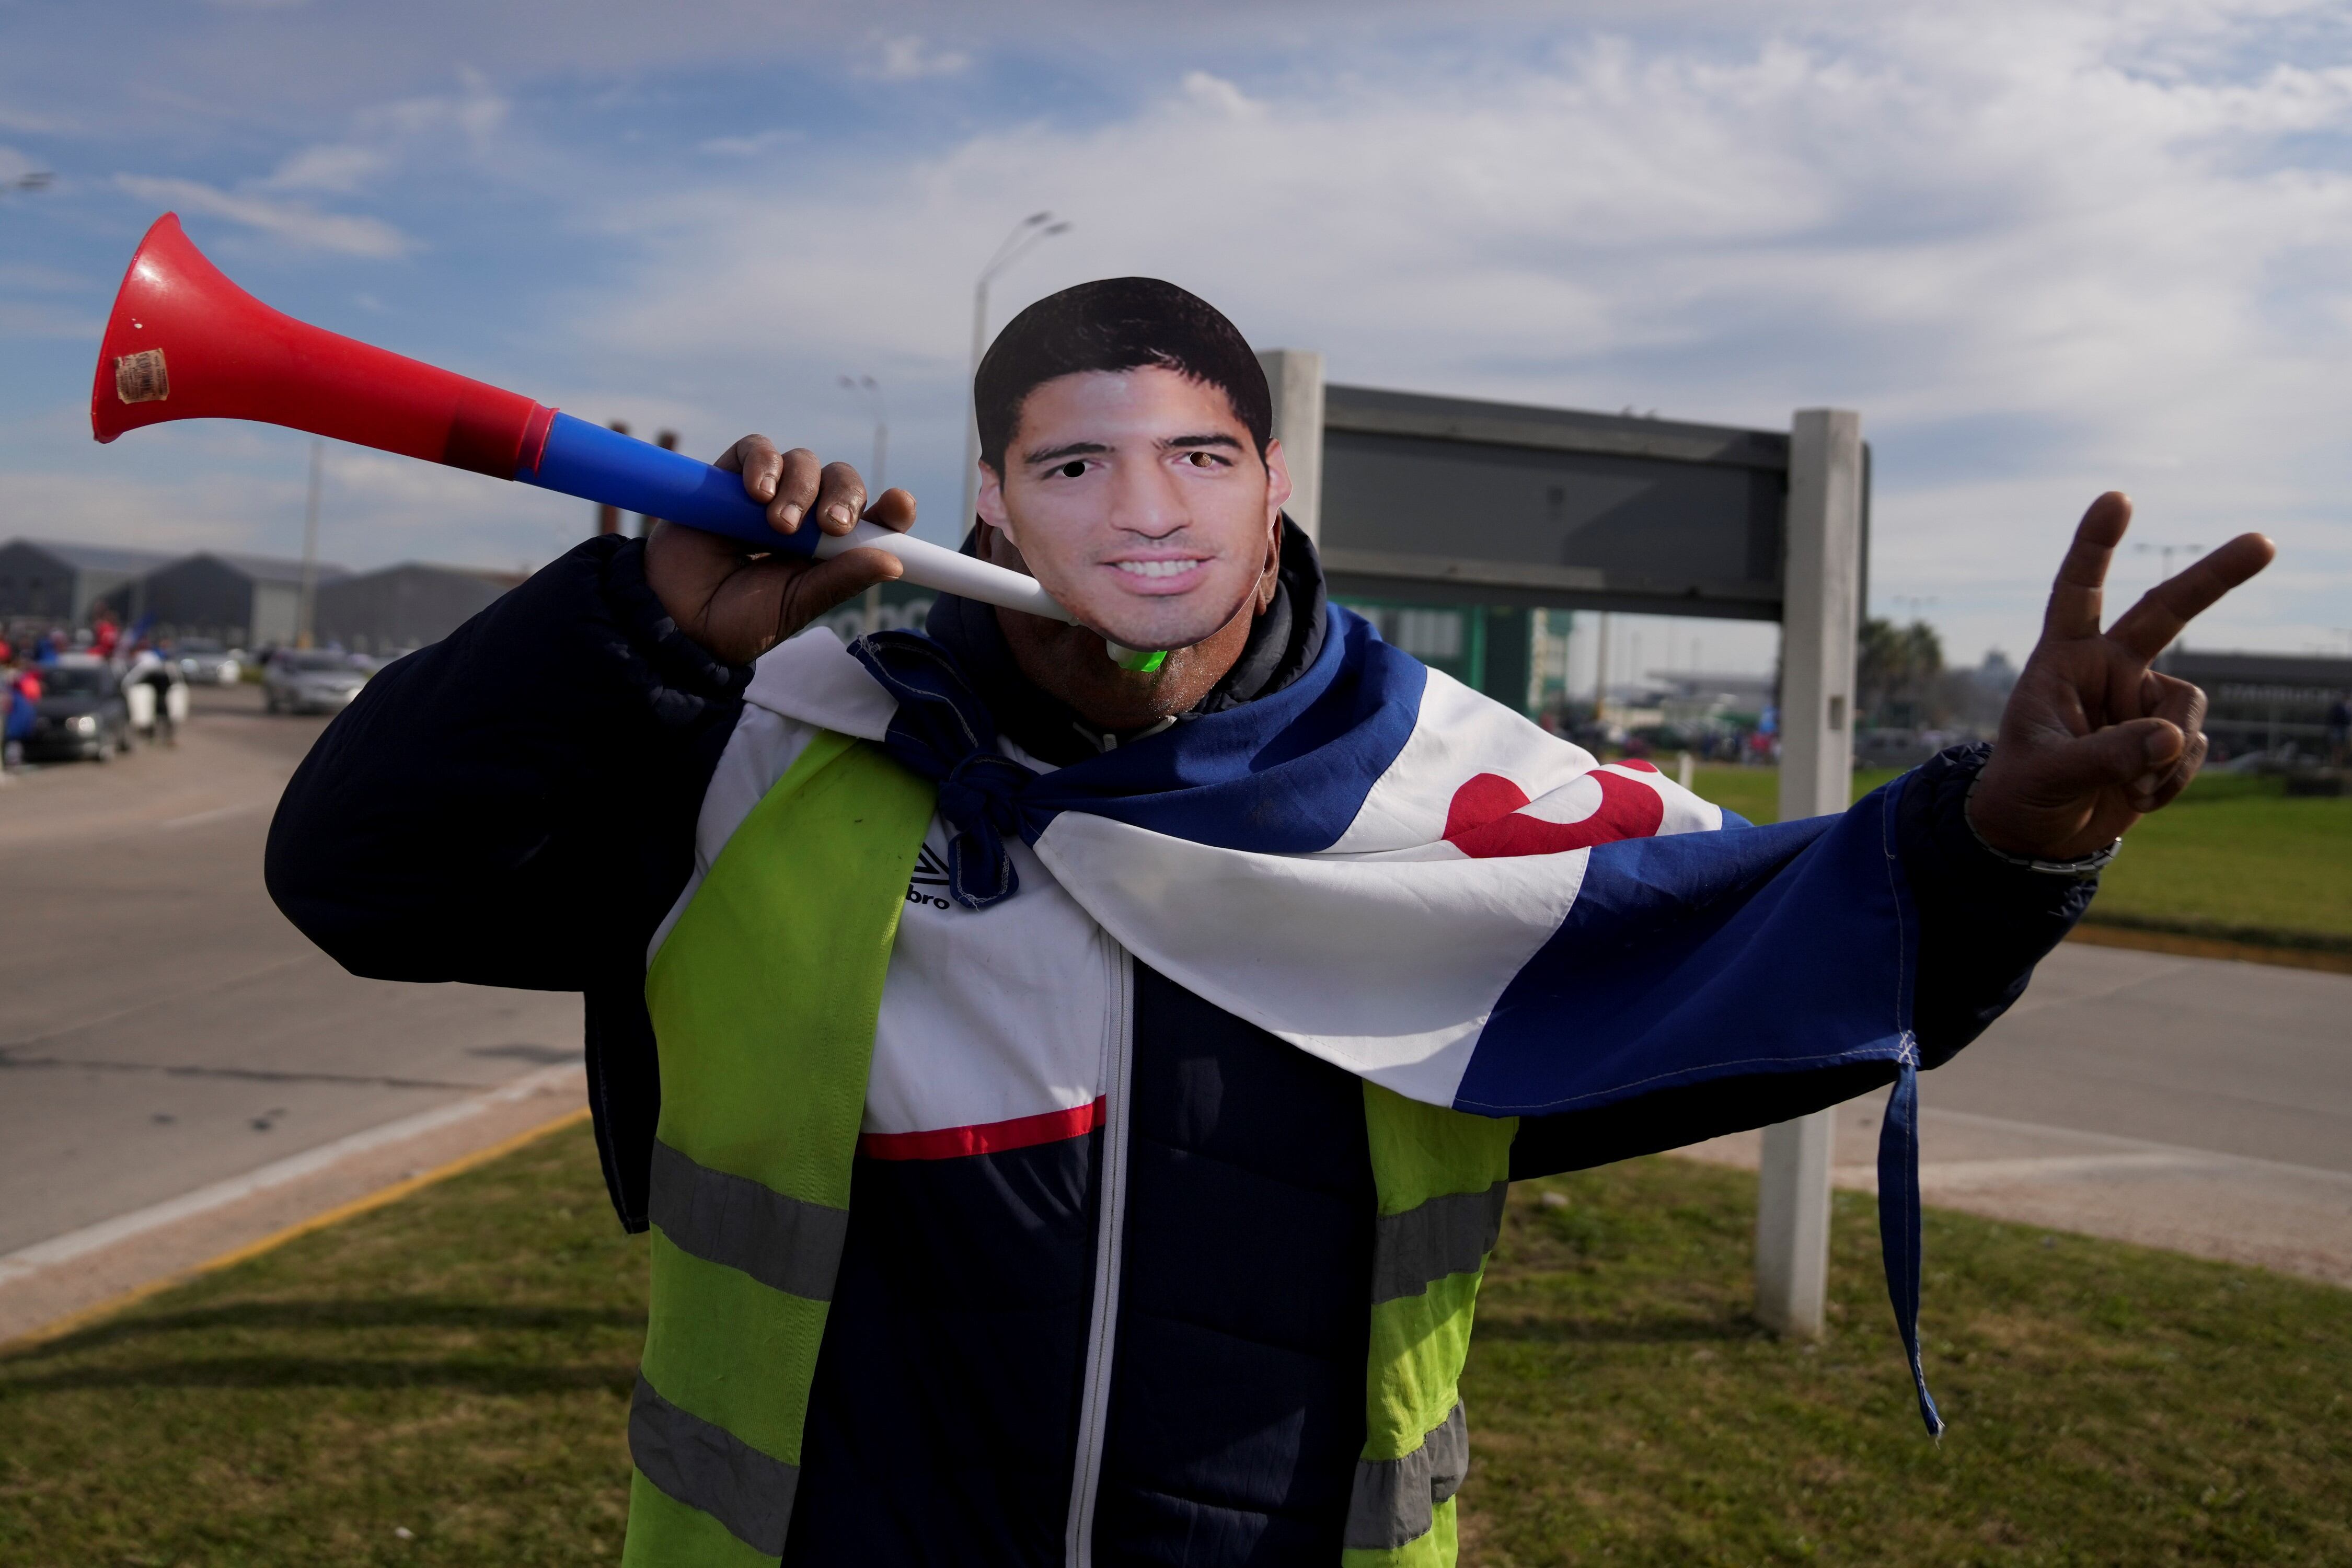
<point x="942" y="732"/>
<point x="1399" y="876"/>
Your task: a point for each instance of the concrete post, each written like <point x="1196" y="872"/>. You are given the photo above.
<point x="1820" y="610"/>
<point x="1294" y="376"/>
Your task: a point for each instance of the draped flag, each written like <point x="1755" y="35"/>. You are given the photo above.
<point x="1404" y="878"/>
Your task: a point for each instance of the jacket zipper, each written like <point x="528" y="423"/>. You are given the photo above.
<point x="1110" y="1232"/>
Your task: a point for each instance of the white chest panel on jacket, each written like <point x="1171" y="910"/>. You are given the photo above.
<point x="988" y="1016"/>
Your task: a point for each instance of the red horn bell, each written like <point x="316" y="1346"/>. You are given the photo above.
<point x="184" y="342"/>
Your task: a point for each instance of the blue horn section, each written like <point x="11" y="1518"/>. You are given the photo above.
<point x="600" y="465"/>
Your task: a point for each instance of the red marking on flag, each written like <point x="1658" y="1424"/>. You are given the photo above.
<point x="1637" y="765"/>
<point x="1484" y="821"/>
<point x="988" y="1138"/>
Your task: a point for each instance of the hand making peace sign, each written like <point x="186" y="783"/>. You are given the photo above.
<point x="2093" y="739"/>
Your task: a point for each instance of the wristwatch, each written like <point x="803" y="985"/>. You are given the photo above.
<point x="2081" y="870"/>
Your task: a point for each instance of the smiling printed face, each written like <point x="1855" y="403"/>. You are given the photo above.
<point x="1138" y="499"/>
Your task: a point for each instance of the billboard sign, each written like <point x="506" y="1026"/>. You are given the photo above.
<point x="1446" y="499"/>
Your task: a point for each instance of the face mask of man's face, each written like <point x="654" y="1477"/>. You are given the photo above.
<point x="1139" y="502"/>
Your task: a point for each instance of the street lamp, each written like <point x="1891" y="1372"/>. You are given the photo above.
<point x="2167" y="552"/>
<point x="871" y="610"/>
<point x="872" y="389"/>
<point x="1026" y="235"/>
<point x="306" y="603"/>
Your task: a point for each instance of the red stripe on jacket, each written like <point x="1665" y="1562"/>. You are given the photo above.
<point x="954" y="1143"/>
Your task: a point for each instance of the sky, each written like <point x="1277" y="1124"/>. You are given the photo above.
<point x="2044" y="249"/>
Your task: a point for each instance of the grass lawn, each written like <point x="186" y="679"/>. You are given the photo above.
<point x="2233" y="857"/>
<point x="2109" y="1403"/>
<point x="457" y="1366"/>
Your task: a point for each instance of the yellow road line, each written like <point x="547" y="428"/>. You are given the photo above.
<point x="336" y="1215"/>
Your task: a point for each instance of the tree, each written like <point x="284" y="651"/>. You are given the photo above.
<point x="1897" y="670"/>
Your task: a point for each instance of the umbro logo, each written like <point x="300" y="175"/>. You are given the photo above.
<point x="931" y="871"/>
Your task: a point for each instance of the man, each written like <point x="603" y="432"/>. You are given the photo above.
<point x="158" y="690"/>
<point x="22" y="711"/>
<point x="1084" y="1096"/>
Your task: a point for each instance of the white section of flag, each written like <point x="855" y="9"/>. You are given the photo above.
<point x="1460" y="734"/>
<point x="1386" y="967"/>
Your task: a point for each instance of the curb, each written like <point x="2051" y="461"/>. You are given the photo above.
<point x="2183" y="944"/>
<point x="380" y="1198"/>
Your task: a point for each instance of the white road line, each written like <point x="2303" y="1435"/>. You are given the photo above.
<point x="179" y="998"/>
<point x="1943" y="1172"/>
<point x="26" y="1260"/>
<point x="2117" y="1157"/>
<point x="214" y="815"/>
<point x="2207" y="1156"/>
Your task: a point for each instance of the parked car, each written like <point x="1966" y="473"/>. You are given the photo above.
<point x="305" y="680"/>
<point x="81" y="712"/>
<point x="207" y="663"/>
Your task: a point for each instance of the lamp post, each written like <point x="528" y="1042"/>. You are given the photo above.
<point x="2167" y="552"/>
<point x="1026" y="235"/>
<point x="305" y="607"/>
<point x="872" y="389"/>
<point x="871" y="610"/>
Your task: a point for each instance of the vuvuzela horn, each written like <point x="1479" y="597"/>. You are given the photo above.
<point x="184" y="342"/>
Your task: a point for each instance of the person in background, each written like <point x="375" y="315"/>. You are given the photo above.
<point x="23" y="705"/>
<point x="2339" y="728"/>
<point x="159" y="693"/>
<point x="104" y="636"/>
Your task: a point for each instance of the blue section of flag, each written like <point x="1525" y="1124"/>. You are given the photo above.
<point x="1284" y="774"/>
<point x="1702" y="956"/>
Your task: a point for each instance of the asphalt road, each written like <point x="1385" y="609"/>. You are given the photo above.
<point x="162" y="1026"/>
<point x="2235" y="1058"/>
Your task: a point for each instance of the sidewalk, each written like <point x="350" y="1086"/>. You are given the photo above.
<point x="47" y="1284"/>
<point x="2293" y="1218"/>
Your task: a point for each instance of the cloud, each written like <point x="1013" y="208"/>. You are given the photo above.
<point x="198" y="512"/>
<point x="338" y="168"/>
<point x="293" y="221"/>
<point x="908" y="58"/>
<point x="753" y="145"/>
<point x="2043" y="249"/>
<point x="1976" y="227"/>
<point x="47" y="280"/>
<point x="14" y="119"/>
<point x="474" y="114"/>
<point x="23" y="321"/>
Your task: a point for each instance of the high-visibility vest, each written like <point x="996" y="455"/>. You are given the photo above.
<point x="764" y="998"/>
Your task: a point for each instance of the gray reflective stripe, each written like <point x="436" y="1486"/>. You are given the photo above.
<point x="1395" y="1501"/>
<point x="784" y="1242"/>
<point x="709" y="1467"/>
<point x="1447" y="1234"/>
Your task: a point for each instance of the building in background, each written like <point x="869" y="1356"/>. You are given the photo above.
<point x="2271" y="703"/>
<point x="243" y="601"/>
<point x="1548" y="632"/>
<point x="49" y="580"/>
<point x="397" y="608"/>
<point x="1485" y="647"/>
